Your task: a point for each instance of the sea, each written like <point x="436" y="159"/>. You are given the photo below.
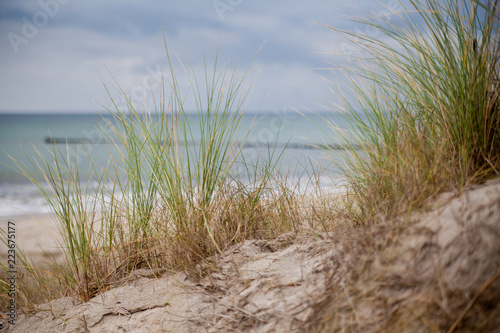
<point x="300" y="140"/>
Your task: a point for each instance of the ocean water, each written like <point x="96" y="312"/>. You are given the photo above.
<point x="78" y="136"/>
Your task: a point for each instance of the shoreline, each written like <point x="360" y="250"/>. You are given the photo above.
<point x="37" y="234"/>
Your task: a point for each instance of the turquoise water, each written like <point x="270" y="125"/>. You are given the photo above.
<point x="290" y="132"/>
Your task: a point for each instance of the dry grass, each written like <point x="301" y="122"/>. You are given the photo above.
<point x="438" y="272"/>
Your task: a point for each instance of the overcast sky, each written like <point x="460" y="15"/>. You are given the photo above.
<point x="54" y="54"/>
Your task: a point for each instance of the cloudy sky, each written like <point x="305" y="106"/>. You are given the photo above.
<point x="55" y="54"/>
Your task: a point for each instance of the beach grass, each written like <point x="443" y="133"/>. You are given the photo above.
<point x="161" y="203"/>
<point x="423" y="101"/>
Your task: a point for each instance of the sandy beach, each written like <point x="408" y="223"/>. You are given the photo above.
<point x="37" y="236"/>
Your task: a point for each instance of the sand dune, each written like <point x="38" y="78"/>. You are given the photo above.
<point x="436" y="270"/>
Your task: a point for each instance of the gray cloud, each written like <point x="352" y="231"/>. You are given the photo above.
<point x="58" y="65"/>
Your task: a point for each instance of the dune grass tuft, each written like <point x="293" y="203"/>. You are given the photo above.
<point x="173" y="194"/>
<point x="424" y="104"/>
